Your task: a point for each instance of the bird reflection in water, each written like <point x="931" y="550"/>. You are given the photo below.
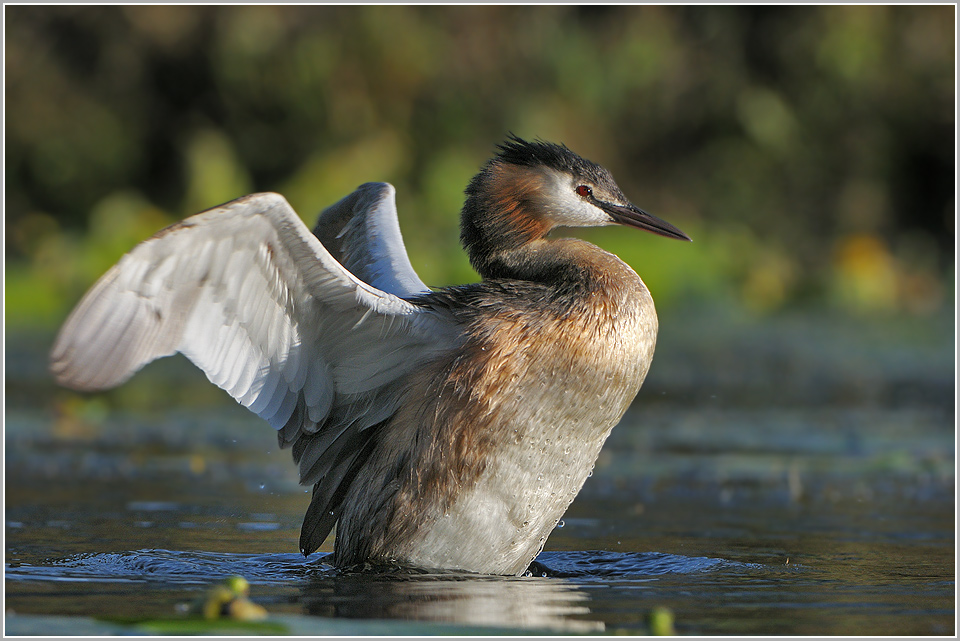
<point x="528" y="603"/>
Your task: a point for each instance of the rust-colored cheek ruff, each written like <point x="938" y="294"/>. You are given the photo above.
<point x="515" y="192"/>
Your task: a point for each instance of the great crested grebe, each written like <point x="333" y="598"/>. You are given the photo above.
<point x="439" y="429"/>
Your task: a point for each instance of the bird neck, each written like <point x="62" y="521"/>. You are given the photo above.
<point x="561" y="262"/>
<point x="496" y="252"/>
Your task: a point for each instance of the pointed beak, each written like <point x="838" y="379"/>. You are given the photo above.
<point x="636" y="217"/>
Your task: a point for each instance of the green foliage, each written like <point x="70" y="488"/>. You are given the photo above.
<point x="807" y="150"/>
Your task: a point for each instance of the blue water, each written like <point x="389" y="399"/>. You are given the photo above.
<point x="560" y="595"/>
<point x="840" y="565"/>
<point x="172" y="567"/>
<point x="805" y="486"/>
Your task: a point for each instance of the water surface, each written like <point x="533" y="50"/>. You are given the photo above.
<point x="800" y="491"/>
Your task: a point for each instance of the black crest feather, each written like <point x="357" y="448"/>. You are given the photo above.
<point x="517" y="151"/>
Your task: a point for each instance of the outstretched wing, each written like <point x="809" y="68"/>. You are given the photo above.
<point x="248" y="294"/>
<point x="362" y="233"/>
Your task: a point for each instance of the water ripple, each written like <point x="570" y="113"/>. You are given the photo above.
<point x="181" y="567"/>
<point x="167" y="566"/>
<point x="630" y="565"/>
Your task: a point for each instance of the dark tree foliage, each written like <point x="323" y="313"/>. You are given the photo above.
<point x="820" y="130"/>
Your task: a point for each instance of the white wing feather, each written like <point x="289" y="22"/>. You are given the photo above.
<point x="248" y="294"/>
<point x="362" y="232"/>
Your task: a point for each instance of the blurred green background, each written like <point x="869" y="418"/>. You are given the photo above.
<point x="802" y="401"/>
<point x="809" y="151"/>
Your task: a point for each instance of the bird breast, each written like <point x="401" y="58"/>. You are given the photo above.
<point x="511" y="424"/>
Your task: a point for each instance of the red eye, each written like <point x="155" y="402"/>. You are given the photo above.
<point x="584" y="192"/>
